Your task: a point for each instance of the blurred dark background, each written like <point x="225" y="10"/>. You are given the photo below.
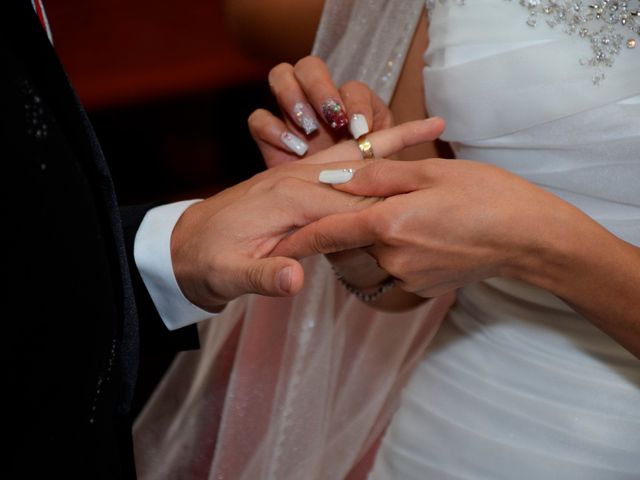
<point x="167" y="89"/>
<point x="168" y="92"/>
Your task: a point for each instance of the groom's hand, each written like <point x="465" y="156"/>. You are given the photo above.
<point x="221" y="247"/>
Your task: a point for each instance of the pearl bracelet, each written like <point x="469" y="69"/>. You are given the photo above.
<point x="376" y="293"/>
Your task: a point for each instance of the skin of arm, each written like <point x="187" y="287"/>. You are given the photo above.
<point x="595" y="272"/>
<point x="483" y="222"/>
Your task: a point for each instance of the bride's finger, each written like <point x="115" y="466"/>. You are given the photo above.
<point x="272" y="136"/>
<point x="292" y="99"/>
<point x="333" y="233"/>
<point x="358" y="101"/>
<point x="359" y="98"/>
<point x="315" y="80"/>
<point x="384" y="143"/>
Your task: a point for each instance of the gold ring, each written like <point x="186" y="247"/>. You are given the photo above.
<point x="365" y="148"/>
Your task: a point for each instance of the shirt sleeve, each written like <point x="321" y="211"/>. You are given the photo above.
<point x="152" y="254"/>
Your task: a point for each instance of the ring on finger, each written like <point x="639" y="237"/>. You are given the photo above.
<point x="364" y="144"/>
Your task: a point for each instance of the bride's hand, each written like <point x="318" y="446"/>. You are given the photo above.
<point x="316" y="114"/>
<point x="445" y="223"/>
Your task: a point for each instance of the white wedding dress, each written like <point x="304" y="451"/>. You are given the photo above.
<point x="515" y="384"/>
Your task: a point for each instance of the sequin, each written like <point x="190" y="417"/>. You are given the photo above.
<point x="34" y="111"/>
<point x="304" y="116"/>
<point x="103" y="378"/>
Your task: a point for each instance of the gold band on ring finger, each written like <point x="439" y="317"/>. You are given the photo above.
<point x="365" y="148"/>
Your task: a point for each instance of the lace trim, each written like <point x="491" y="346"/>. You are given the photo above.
<point x="608" y="25"/>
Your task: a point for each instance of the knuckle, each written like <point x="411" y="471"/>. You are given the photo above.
<point x="308" y="62"/>
<point x="374" y="171"/>
<point x="253" y="278"/>
<point x="355" y="86"/>
<point x="425" y="175"/>
<point x="323" y="243"/>
<point x="391" y="230"/>
<point x="279" y="70"/>
<point x="318" y="84"/>
<point x="262" y="182"/>
<point x="258" y="120"/>
<point x="277" y="73"/>
<point x="287" y="185"/>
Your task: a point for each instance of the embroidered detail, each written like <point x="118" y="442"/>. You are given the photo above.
<point x="600" y="22"/>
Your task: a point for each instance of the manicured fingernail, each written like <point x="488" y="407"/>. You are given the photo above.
<point x="334" y="114"/>
<point x="358" y="125"/>
<point x="303" y="113"/>
<point x="293" y="143"/>
<point x="284" y="279"/>
<point x="335" y="177"/>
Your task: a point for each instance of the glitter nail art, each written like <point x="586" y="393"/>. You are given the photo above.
<point x="333" y="114"/>
<point x="303" y="113"/>
<point x="293" y="143"/>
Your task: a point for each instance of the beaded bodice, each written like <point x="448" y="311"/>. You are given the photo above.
<point x="608" y="26"/>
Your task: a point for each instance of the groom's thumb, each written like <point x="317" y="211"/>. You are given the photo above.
<point x="274" y="277"/>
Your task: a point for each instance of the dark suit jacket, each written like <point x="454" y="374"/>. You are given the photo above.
<point x="78" y="307"/>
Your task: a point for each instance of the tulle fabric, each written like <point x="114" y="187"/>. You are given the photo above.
<point x="367" y="40"/>
<point x="284" y="388"/>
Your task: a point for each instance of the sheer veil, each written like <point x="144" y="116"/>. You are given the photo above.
<point x="298" y="387"/>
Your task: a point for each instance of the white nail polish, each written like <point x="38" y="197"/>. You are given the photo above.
<point x="358" y="125"/>
<point x="303" y="113"/>
<point x="293" y="143"/>
<point x="336" y="176"/>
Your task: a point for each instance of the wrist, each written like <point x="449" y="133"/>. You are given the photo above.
<point x="567" y="247"/>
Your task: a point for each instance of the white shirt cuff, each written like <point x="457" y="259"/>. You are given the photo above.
<point x="152" y="254"/>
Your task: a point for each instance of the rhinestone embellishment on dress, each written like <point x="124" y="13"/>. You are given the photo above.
<point x="602" y="23"/>
<point x="608" y="25"/>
